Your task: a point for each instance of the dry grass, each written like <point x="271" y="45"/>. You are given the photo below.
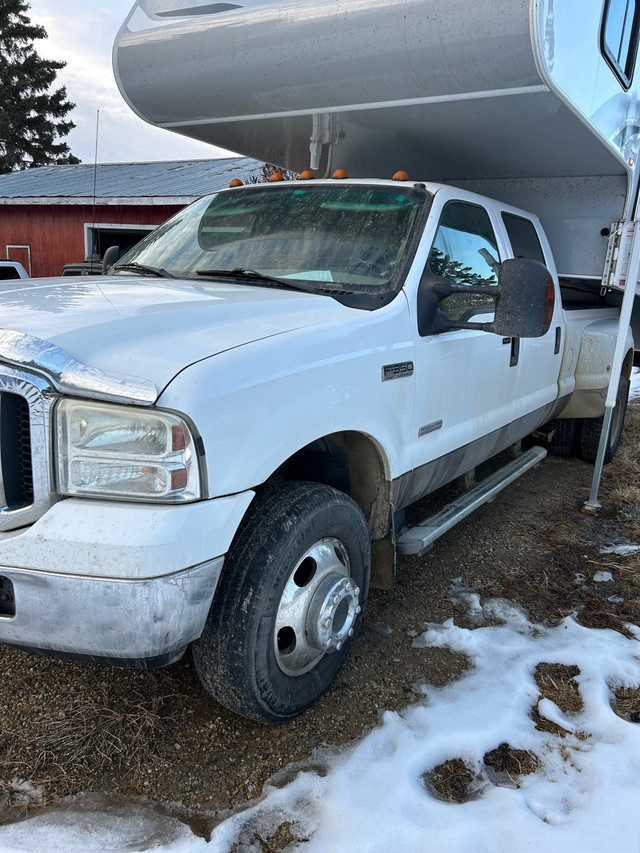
<point x="622" y="478"/>
<point x="102" y="734"/>
<point x="622" y="487"/>
<point x="94" y="734"/>
<point x="452" y="781"/>
<point x="560" y="581"/>
<point x="551" y="593"/>
<point x="627" y="703"/>
<point x="556" y="682"/>
<point x="508" y="762"/>
<point x="279" y="839"/>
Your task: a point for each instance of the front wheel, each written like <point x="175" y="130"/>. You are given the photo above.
<point x="289" y="602"/>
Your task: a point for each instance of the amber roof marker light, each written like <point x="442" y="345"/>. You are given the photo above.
<point x="236" y="182"/>
<point x="307" y="175"/>
<point x="277" y="176"/>
<point x="339" y="175"/>
<point x="400" y="176"/>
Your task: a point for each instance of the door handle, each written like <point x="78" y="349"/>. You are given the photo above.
<point x="515" y="352"/>
<point x="556" y="348"/>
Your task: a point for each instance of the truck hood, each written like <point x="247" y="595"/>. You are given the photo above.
<point x="154" y="328"/>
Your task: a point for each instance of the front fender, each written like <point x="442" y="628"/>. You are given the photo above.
<point x="257" y="405"/>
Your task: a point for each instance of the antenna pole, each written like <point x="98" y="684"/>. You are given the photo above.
<point x="95" y="181"/>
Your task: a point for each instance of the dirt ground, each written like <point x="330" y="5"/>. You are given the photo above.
<point x="72" y="727"/>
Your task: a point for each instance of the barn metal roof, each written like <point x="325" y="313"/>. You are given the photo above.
<point x="174" y="181"/>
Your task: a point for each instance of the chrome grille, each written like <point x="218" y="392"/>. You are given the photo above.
<point x="26" y="489"/>
<point x="15" y="451"/>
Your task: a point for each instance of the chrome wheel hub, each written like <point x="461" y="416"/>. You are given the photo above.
<point x="332" y="612"/>
<point x="318" y="608"/>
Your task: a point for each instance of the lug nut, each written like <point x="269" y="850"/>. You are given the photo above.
<point x="326" y="623"/>
<point x="358" y="609"/>
<point x="339" y="645"/>
<point x="351" y="632"/>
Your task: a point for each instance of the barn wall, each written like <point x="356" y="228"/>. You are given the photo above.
<point x="55" y="233"/>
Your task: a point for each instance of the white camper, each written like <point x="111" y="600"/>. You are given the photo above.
<point x="532" y="102"/>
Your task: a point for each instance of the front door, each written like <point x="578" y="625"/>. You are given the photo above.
<point x="476" y="392"/>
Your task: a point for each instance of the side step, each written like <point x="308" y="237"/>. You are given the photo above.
<point x="419" y="539"/>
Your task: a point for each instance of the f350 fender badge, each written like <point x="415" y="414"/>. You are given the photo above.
<point x="397" y="371"/>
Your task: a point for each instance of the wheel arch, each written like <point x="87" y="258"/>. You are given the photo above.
<point x="627" y="364"/>
<point x="593" y="369"/>
<point x="353" y="463"/>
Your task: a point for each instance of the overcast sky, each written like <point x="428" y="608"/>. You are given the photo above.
<point x="81" y="33"/>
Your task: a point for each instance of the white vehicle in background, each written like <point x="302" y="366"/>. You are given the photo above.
<point x="215" y="444"/>
<point x="11" y="270"/>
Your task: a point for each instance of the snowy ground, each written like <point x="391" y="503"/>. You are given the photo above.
<point x="371" y="797"/>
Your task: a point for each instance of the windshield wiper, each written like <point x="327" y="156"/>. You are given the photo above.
<point x="254" y="276"/>
<point x="143" y="269"/>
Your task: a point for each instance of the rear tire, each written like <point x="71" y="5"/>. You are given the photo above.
<point x="288" y="604"/>
<point x="563" y="438"/>
<point x="590" y="429"/>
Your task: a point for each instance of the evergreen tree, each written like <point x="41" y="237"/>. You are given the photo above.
<point x="32" y="117"/>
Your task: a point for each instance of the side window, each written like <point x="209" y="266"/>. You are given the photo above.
<point x="465" y="251"/>
<point x="524" y="237"/>
<point x="619" y="37"/>
<point x="7" y="273"/>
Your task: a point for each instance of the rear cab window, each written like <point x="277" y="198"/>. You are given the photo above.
<point x="523" y="237"/>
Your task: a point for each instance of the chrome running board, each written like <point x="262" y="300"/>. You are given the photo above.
<point x="419" y="539"/>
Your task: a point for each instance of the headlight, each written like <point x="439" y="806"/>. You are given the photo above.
<point x="125" y="452"/>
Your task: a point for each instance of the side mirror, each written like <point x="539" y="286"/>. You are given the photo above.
<point x="109" y="258"/>
<point x="525" y="297"/>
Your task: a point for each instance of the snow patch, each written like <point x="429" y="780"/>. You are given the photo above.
<point x="602" y="577"/>
<point x="620" y="549"/>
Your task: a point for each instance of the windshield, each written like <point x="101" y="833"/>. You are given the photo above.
<point x="347" y="239"/>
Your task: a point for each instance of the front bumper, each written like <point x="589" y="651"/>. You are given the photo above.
<point x="119" y="582"/>
<point x="141" y="623"/>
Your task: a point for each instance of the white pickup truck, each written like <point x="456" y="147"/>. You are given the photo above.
<point x="212" y="445"/>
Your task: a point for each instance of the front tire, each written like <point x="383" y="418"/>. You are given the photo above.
<point x="289" y="602"/>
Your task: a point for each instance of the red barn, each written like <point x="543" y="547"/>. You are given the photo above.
<point x="56" y="215"/>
